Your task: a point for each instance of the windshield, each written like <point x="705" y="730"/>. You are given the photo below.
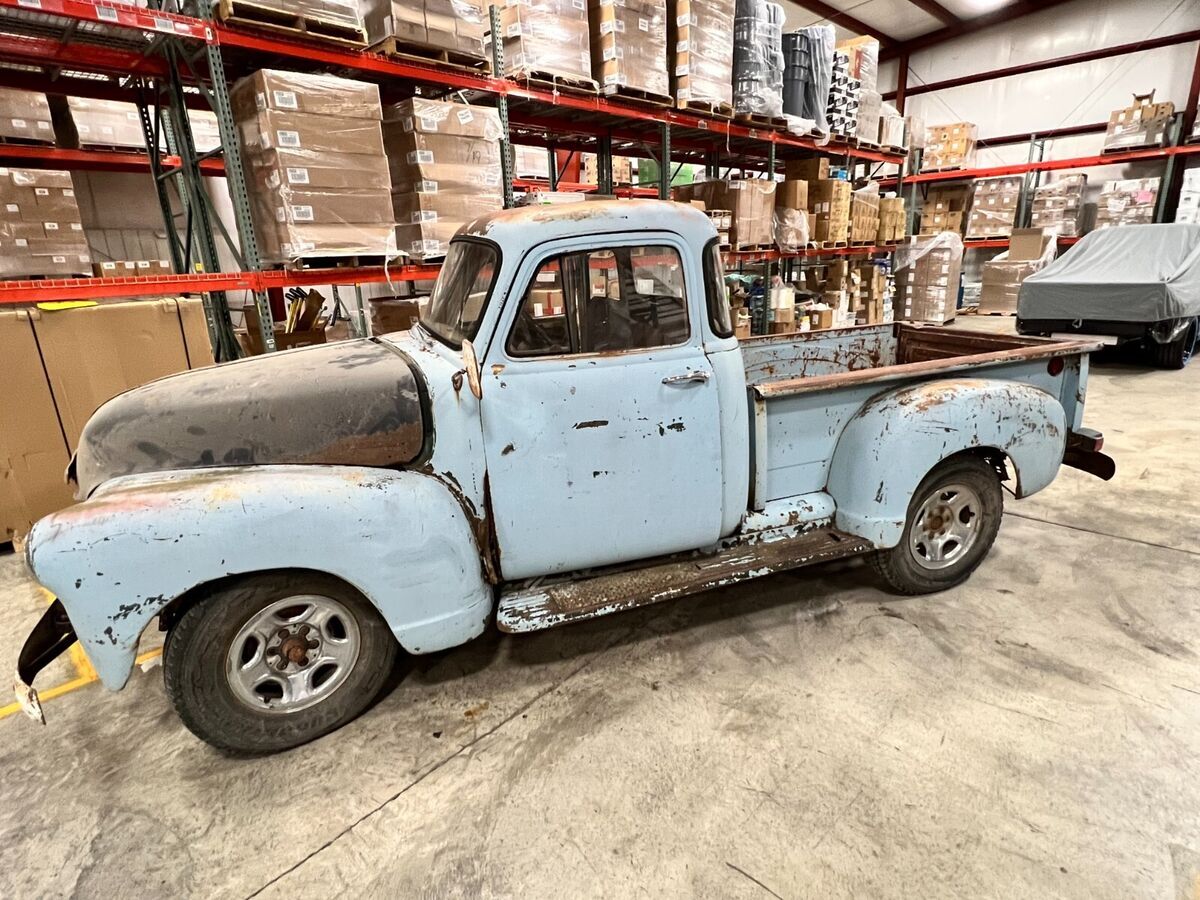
<point x="461" y="291"/>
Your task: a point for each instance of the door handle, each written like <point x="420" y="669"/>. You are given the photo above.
<point x="695" y="375"/>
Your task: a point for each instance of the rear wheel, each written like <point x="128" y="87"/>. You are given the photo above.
<point x="952" y="522"/>
<point x="273" y="661"/>
<point x="1175" y="355"/>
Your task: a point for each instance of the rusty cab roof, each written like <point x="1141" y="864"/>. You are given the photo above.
<point x="522" y="228"/>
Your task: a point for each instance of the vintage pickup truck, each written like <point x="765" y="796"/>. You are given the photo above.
<point x="572" y="430"/>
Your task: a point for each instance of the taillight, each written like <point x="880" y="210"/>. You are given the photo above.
<point x="1056" y="365"/>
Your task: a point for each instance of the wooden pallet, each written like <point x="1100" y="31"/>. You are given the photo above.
<point x="1115" y="151"/>
<point x="455" y="59"/>
<point x="111" y="148"/>
<point x="706" y="108"/>
<point x="253" y="15"/>
<point x="760" y="121"/>
<point x="26" y="142"/>
<point x="551" y="81"/>
<point x="637" y="95"/>
<point x="334" y="261"/>
<point x="892" y="148"/>
<point x="980" y="238"/>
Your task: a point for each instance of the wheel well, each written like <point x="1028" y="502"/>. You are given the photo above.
<point x="996" y="459"/>
<point x="171" y="613"/>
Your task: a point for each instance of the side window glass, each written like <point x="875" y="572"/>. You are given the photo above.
<point x="599" y="301"/>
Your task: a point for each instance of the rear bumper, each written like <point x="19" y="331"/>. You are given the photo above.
<point x="1083" y="453"/>
<point x="50" y="638"/>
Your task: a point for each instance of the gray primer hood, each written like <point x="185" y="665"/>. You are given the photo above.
<point x="352" y="403"/>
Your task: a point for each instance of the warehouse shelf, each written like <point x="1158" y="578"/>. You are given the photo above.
<point x="1045" y="165"/>
<point x="543" y="184"/>
<point x="64" y="289"/>
<point x="31" y="156"/>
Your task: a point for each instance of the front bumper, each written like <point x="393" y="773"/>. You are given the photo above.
<point x="50" y="638"/>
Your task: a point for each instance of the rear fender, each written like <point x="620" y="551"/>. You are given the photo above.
<point x="400" y="538"/>
<point x="899" y="436"/>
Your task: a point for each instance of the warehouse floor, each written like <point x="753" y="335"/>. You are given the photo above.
<point x="1034" y="733"/>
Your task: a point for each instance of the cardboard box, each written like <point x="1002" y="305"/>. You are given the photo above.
<point x="427" y="116"/>
<point x="547" y="38"/>
<point x="392" y="314"/>
<point x="949" y="146"/>
<point x="306" y="93"/>
<point x="273" y="129"/>
<point x="893" y="220"/>
<point x="1128" y="202"/>
<point x="629" y="46"/>
<point x="1143" y="123"/>
<point x="700" y="52"/>
<point x="86" y="122"/>
<point x="25" y="117"/>
<point x="829" y="202"/>
<point x="33" y="450"/>
<point x="1002" y="278"/>
<point x="751" y="201"/>
<point x="815" y="169"/>
<point x="457" y="27"/>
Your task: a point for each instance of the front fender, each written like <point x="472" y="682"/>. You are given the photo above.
<point x="899" y="436"/>
<point x="401" y="538"/>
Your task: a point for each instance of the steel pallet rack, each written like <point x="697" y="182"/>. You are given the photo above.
<point x="175" y="57"/>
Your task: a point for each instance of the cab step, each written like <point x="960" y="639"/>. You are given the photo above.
<point x="546" y="605"/>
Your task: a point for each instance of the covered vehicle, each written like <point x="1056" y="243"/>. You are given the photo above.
<point x="1133" y="283"/>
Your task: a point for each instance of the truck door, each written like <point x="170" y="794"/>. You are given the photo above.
<point x="600" y="413"/>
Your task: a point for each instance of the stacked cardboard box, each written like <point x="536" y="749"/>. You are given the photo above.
<point x="893" y="220"/>
<point x="547" y="38"/>
<point x="455" y="26"/>
<point x="829" y="202"/>
<point x="1002" y="277"/>
<point x="700" y="51"/>
<point x="891" y="127"/>
<point x="85" y="122"/>
<point x="751" y="202"/>
<point x="629" y="46"/>
<point x="1058" y="207"/>
<point x="862" y="68"/>
<point x="445" y="169"/>
<point x="945" y="209"/>
<point x="206" y="133"/>
<point x="622" y="169"/>
<point x="791" y="215"/>
<point x="870" y="294"/>
<point x="1128" y="202"/>
<point x="40" y="229"/>
<point x="531" y="162"/>
<point x="1143" y="123"/>
<point x="758" y="58"/>
<point x="317" y="173"/>
<point x="814" y="169"/>
<point x="124" y="268"/>
<point x="949" y="147"/>
<point x="59" y="366"/>
<point x="864" y="215"/>
<point x="722" y="220"/>
<point x="994" y="206"/>
<point x="927" y="274"/>
<point x="1189" y="198"/>
<point x="25" y="116"/>
<point x="844" y="89"/>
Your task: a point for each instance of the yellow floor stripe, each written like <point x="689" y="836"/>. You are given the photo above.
<point x="85" y="673"/>
<point x="73" y="685"/>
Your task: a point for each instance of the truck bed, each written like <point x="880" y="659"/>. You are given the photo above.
<point x="805" y="388"/>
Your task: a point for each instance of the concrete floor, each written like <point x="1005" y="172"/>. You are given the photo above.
<point x="1034" y="733"/>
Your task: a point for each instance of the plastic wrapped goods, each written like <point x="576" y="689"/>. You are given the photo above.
<point x="927" y="275"/>
<point x="751" y="201"/>
<point x="893" y="220"/>
<point x="1188" y="210"/>
<point x="546" y="39"/>
<point x="1144" y="123"/>
<point x="25" y="116"/>
<point x="700" y="46"/>
<point x="994" y="206"/>
<point x="629" y="46"/>
<point x="40" y="229"/>
<point x="1129" y="202"/>
<point x="100" y="123"/>
<point x="891" y="127"/>
<point x="791" y="216"/>
<point x="1030" y="250"/>
<point x="864" y="214"/>
<point x="949" y="147"/>
<point x="807" y="70"/>
<point x="758" y="58"/>
<point x="842" y="111"/>
<point x="317" y="173"/>
<point x="870" y="107"/>
<point x="1058" y="207"/>
<point x="862" y="54"/>
<point x="445" y="170"/>
<point x="455" y="26"/>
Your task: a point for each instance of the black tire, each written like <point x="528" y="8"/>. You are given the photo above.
<point x="1176" y="354"/>
<point x="196" y="653"/>
<point x="900" y="566"/>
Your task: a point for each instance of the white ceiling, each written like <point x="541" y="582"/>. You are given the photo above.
<point x="897" y="19"/>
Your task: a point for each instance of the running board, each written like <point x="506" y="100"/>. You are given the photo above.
<point x="544" y="606"/>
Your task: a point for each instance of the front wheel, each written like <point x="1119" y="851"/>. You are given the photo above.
<point x="952" y="522"/>
<point x="273" y="661"/>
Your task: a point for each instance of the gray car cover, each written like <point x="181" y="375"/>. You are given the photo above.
<point x="1133" y="273"/>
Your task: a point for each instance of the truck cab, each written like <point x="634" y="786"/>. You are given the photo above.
<point x="571" y="430"/>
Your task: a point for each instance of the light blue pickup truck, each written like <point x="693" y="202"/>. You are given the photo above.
<point x="571" y="431"/>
